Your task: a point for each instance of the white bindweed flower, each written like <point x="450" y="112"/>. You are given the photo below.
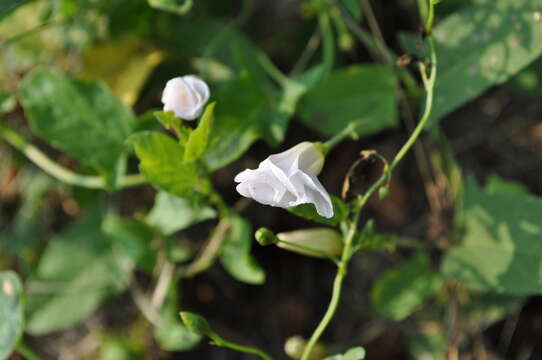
<point x="185" y="96"/>
<point x="288" y="179"/>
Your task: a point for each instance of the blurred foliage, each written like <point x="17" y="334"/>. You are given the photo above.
<point x="80" y="86"/>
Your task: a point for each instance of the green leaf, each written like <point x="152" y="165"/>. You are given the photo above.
<point x="501" y="250"/>
<point x="484" y="45"/>
<point x="485" y="309"/>
<point x="250" y="106"/>
<point x="174" y="6"/>
<point x="356" y="353"/>
<point x="197" y="324"/>
<point x="496" y="184"/>
<point x="171" y="213"/>
<point x="353" y="7"/>
<point x="78" y="270"/>
<point x="197" y="142"/>
<point x="359" y="93"/>
<point x="235" y="253"/>
<point x="240" y="120"/>
<point x="308" y="211"/>
<point x="11" y="312"/>
<point x="123" y="64"/>
<point x="161" y="162"/>
<point x="249" y="110"/>
<point x="528" y="81"/>
<point x="10" y="5"/>
<point x="431" y="346"/>
<point x="134" y="238"/>
<point x="368" y="239"/>
<point x="171" y="122"/>
<point x="7" y="102"/>
<point x="113" y="348"/>
<point x="399" y="291"/>
<point x="171" y="334"/>
<point x="27" y="226"/>
<point x="81" y="118"/>
<point x="228" y="46"/>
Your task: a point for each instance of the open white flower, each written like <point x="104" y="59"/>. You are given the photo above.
<point x="185" y="96"/>
<point x="288" y="179"/>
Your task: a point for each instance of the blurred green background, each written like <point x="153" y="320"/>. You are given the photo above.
<point x="454" y="267"/>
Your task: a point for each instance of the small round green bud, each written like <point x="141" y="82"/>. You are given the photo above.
<point x="265" y="237"/>
<point x="383" y="192"/>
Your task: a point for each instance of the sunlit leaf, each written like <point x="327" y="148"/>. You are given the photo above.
<point x="161" y="162"/>
<point x="401" y="290"/>
<point x="199" y="138"/>
<point x="501" y="250"/>
<point x="123" y="65"/>
<point x="484" y="45"/>
<point x="82" y="118"/>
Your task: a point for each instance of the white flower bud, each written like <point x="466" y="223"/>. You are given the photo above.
<point x="320" y="239"/>
<point x="288" y="179"/>
<point x="185" y="96"/>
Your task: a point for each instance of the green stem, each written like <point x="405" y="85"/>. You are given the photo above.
<point x="26" y="352"/>
<point x="430" y="18"/>
<point x="247" y="350"/>
<point x="328" y="42"/>
<point x="422" y="7"/>
<point x="337" y="288"/>
<point x="57" y="171"/>
<point x="244" y="14"/>
<point x="429" y="87"/>
<point x="429" y="84"/>
<point x="244" y="349"/>
<point x="348" y="131"/>
<point x="272" y="70"/>
<point x="379" y="50"/>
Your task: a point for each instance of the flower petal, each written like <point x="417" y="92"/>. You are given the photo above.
<point x="185" y="96"/>
<point x="314" y="193"/>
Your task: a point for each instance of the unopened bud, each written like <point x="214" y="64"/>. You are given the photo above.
<point x="321" y="240"/>
<point x="196" y="323"/>
<point x="383" y="192"/>
<point x="265" y="237"/>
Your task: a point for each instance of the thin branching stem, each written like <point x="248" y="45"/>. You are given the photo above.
<point x="56" y="170"/>
<point x="337" y="287"/>
<point x="244" y="349"/>
<point x="429" y="85"/>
